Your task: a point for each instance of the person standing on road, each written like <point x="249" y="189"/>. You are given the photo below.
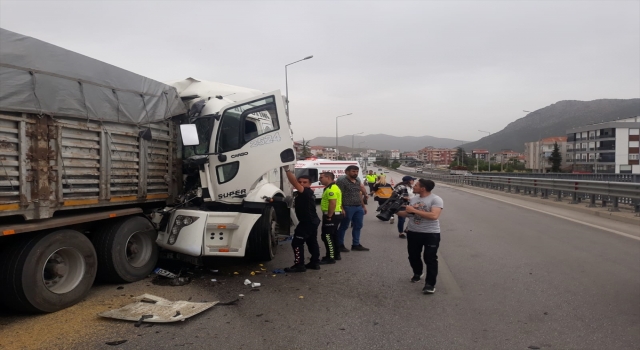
<point x="308" y="221"/>
<point x="382" y="190"/>
<point x="371" y="181"/>
<point x="404" y="190"/>
<point x="354" y="207"/>
<point x="331" y="206"/>
<point x="423" y="231"/>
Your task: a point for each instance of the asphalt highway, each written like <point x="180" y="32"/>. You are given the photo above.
<point x="510" y="278"/>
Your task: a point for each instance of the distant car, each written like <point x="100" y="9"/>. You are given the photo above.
<point x="379" y="169"/>
<point x="386" y="171"/>
<point x="418" y="170"/>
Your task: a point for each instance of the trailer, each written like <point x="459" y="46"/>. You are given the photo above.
<point x="95" y="178"/>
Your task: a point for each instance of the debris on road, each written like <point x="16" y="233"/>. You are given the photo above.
<point x="241" y="295"/>
<point x="159" y="309"/>
<point x="214" y="280"/>
<point x="180" y="281"/>
<point x="253" y="273"/>
<point x="236" y="273"/>
<point x="160" y="272"/>
<point x="120" y="287"/>
<point x="232" y="302"/>
<point x="116" y="342"/>
<point x="247" y="282"/>
<point x="301" y="297"/>
<point x="255" y="285"/>
<point x="142" y="318"/>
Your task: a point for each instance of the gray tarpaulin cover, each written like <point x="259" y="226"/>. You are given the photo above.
<point x="38" y="77"/>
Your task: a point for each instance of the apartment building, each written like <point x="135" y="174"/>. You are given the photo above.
<point x="437" y="156"/>
<point x="395" y="154"/>
<point x="537" y="153"/>
<point x="609" y="147"/>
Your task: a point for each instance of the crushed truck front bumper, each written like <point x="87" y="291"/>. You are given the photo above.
<point x="201" y="233"/>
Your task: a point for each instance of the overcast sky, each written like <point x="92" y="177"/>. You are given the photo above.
<point x="440" y="68"/>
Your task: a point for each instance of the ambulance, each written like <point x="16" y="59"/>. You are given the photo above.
<point x="313" y="167"/>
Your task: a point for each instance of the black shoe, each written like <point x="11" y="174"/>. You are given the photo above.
<point x="295" y="268"/>
<point x="327" y="261"/>
<point x="428" y="289"/>
<point x="338" y="257"/>
<point x="402" y="235"/>
<point x="344" y="249"/>
<point x="360" y="248"/>
<point x="313" y="266"/>
<point x="415" y="278"/>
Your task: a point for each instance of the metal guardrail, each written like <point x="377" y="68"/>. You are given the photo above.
<point x="609" y="193"/>
<point x="593" y="177"/>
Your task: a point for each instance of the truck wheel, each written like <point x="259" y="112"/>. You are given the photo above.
<point x="126" y="248"/>
<point x="263" y="242"/>
<point x="47" y="272"/>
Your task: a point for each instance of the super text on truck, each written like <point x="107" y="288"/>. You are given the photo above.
<point x="94" y="176"/>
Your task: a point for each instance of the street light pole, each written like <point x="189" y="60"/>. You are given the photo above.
<point x="340" y="116"/>
<point x="489" y="159"/>
<point x="286" y="80"/>
<point x="353" y="137"/>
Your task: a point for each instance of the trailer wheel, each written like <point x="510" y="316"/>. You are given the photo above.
<point x="126" y="248"/>
<point x="47" y="272"/>
<point x="263" y="242"/>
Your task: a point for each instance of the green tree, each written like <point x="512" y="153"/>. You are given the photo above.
<point x="395" y="164"/>
<point x="555" y="159"/>
<point x="306" y="150"/>
<point x="384" y="162"/>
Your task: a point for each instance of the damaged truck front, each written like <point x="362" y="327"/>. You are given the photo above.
<point x="93" y="173"/>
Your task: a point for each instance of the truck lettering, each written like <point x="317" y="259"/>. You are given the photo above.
<point x="239" y="155"/>
<point x="242" y="192"/>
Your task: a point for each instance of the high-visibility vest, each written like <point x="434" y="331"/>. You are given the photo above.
<point x="372" y="178"/>
<point x="384" y="192"/>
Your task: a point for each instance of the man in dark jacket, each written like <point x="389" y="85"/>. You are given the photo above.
<point x="307" y="229"/>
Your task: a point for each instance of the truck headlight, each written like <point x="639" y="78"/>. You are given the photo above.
<point x="180" y="222"/>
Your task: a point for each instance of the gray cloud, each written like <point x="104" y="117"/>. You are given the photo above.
<point x="443" y="69"/>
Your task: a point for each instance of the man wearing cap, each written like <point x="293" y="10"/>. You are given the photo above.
<point x="405" y="191"/>
<point x="331" y="206"/>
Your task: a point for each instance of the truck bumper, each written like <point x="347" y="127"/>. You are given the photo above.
<point x="210" y="233"/>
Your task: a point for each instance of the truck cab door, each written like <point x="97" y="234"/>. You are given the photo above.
<point x="252" y="138"/>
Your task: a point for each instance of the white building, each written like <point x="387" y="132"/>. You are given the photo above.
<point x="610" y="147"/>
<point x="395" y="154"/>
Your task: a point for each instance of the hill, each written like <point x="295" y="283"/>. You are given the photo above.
<point x="385" y="142"/>
<point x="554" y="120"/>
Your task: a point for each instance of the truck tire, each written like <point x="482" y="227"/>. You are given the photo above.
<point x="126" y="248"/>
<point x="47" y="272"/>
<point x="263" y="241"/>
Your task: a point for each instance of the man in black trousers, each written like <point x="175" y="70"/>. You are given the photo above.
<point x="307" y="229"/>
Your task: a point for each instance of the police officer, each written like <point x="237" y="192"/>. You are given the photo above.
<point x="371" y="181"/>
<point x="308" y="221"/>
<point x="331" y="206"/>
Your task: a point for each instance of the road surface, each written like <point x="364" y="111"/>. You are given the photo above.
<point x="510" y="278"/>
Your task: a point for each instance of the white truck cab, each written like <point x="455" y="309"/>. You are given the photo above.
<point x="237" y="150"/>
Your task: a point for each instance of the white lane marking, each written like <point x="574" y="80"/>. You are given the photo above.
<point x="549" y="213"/>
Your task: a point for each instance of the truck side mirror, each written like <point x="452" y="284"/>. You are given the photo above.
<point x="189" y="135"/>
